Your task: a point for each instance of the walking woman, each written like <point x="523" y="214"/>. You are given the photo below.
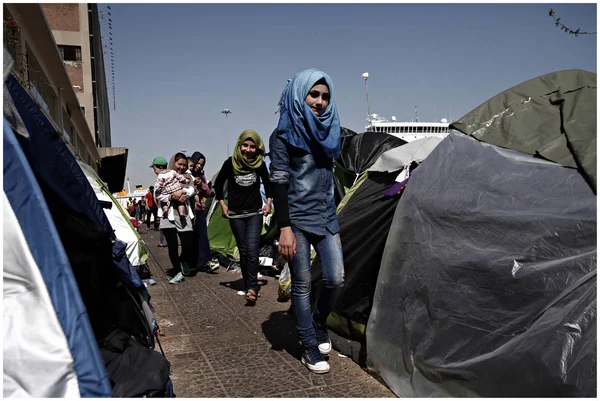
<point x="302" y="149"/>
<point x="171" y="229"/>
<point x="244" y="172"/>
<point x="202" y="245"/>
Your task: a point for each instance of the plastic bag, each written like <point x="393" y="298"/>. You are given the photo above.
<point x="285" y="284"/>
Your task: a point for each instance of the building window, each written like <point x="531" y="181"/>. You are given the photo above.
<point x="70" y="53"/>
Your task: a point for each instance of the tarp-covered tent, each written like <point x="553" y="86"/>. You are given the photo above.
<point x="373" y="162"/>
<point x="487" y="284"/>
<point x="94" y="308"/>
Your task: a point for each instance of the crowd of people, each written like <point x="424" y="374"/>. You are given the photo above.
<point x="299" y="186"/>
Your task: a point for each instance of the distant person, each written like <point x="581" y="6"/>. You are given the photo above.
<point x="151" y="208"/>
<point x="182" y="264"/>
<point x="137" y="211"/>
<point x="244" y="172"/>
<point x="302" y="149"/>
<point x="142" y="214"/>
<point x="200" y="228"/>
<point x="130" y="207"/>
<point x="169" y="181"/>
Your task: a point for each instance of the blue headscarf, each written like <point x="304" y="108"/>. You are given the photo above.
<point x="300" y="126"/>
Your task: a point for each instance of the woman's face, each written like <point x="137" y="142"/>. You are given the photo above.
<point x="181" y="165"/>
<point x="318" y="98"/>
<point x="248" y="149"/>
<point x="200" y="165"/>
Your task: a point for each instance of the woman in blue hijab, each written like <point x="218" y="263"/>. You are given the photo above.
<point x="302" y="149"/>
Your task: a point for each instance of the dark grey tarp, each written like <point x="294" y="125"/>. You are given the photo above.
<point x="553" y="115"/>
<point x="487" y="285"/>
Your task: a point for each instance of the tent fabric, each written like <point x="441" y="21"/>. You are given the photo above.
<point x="119" y="220"/>
<point x="488" y="288"/>
<point x="403" y="156"/>
<point x="553" y="115"/>
<point x="359" y="152"/>
<point x="45" y="148"/>
<point x="34" y="365"/>
<point x="220" y="236"/>
<point x="36" y="227"/>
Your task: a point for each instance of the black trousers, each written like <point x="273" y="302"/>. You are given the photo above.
<point x="187" y="259"/>
<point x="152" y="211"/>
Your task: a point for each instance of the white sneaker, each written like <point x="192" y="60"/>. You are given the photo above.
<point x="325" y="348"/>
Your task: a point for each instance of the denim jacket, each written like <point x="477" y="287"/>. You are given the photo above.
<point x="310" y="187"/>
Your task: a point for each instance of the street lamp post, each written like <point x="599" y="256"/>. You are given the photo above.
<point x="365" y="77"/>
<point x="226" y="112"/>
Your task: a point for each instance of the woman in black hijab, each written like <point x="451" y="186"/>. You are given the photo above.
<point x="203" y="247"/>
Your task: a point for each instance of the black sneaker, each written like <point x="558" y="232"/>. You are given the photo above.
<point x="323" y="341"/>
<point x="313" y="360"/>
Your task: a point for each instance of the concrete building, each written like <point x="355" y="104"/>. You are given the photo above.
<point x="76" y="32"/>
<point x="49" y="42"/>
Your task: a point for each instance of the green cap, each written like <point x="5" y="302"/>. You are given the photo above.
<point x="159" y="161"/>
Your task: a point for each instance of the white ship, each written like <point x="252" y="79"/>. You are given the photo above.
<point x="407" y="131"/>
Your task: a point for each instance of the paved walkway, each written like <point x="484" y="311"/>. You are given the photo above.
<point x="218" y="347"/>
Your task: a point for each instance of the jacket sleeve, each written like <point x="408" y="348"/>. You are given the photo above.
<point x="280" y="175"/>
<point x="226" y="171"/>
<point x="158" y="185"/>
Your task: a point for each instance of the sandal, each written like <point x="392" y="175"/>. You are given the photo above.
<point x="251" y="296"/>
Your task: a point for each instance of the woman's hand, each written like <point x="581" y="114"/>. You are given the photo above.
<point x="266" y="209"/>
<point x="224" y="209"/>
<point x="287" y="243"/>
<point x="178" y="196"/>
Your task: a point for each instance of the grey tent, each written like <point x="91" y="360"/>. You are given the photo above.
<point x="487" y="285"/>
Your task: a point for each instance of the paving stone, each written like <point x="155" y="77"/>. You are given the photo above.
<point x="220" y="348"/>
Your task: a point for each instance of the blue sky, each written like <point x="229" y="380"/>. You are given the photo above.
<point x="178" y="65"/>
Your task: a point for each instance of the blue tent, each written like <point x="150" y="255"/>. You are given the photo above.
<point x="70" y="294"/>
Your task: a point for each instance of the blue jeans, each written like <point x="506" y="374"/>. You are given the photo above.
<point x="203" y="247"/>
<point x="247" y="236"/>
<point x="329" y="251"/>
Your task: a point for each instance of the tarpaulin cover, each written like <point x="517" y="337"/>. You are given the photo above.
<point x="553" y="115"/>
<point x="487" y="284"/>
